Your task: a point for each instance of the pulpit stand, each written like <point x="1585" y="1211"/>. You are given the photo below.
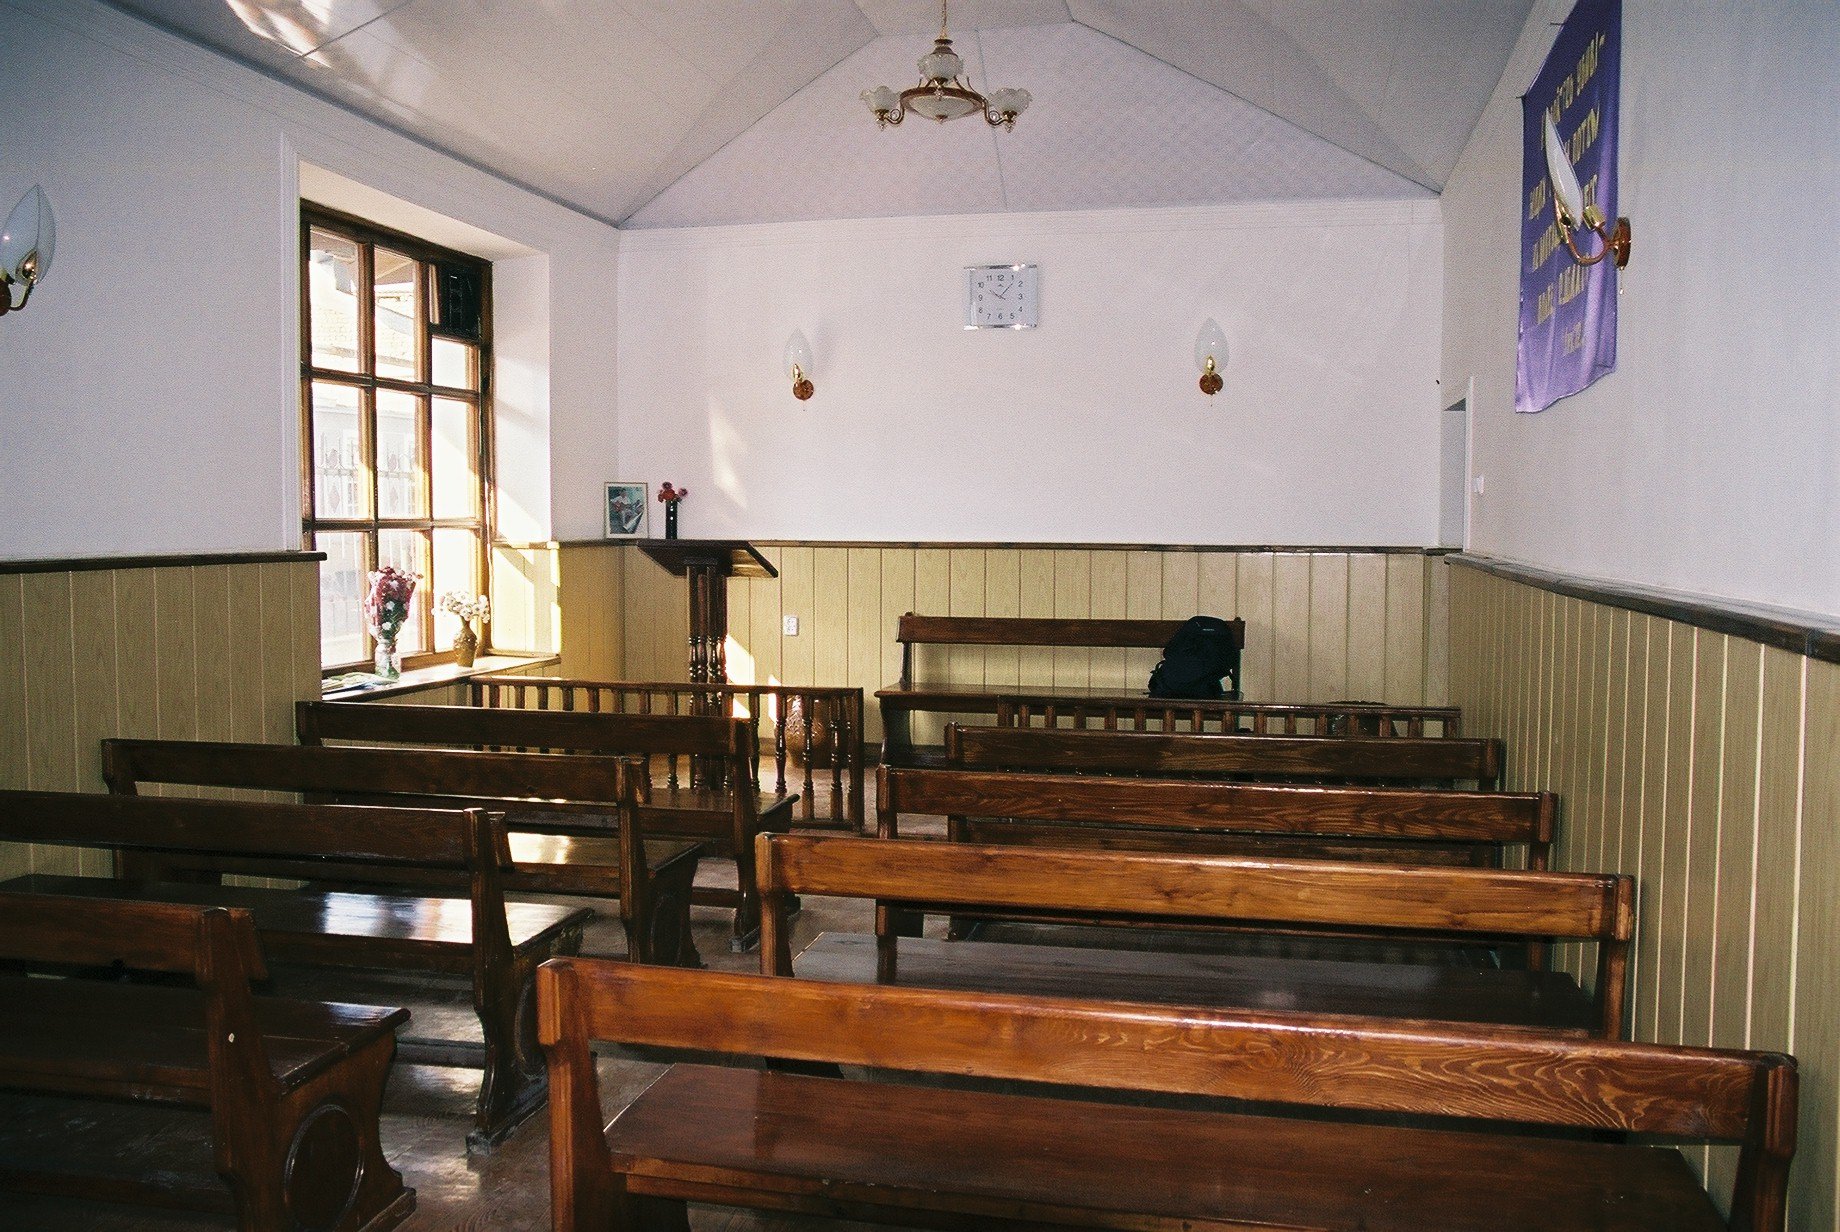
<point x="707" y="564"/>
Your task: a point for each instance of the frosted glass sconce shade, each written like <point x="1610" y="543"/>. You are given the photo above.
<point x="27" y="244"/>
<point x="1570" y="210"/>
<point x="1211" y="356"/>
<point x="798" y="365"/>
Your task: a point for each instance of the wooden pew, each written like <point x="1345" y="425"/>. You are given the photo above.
<point x="293" y="1088"/>
<point x="1194" y="816"/>
<point x="496" y="946"/>
<point x="725" y="820"/>
<point x="1120" y="887"/>
<point x="573" y="821"/>
<point x="901" y="700"/>
<point x="1404" y="760"/>
<point x="906" y="1153"/>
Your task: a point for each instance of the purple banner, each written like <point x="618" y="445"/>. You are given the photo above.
<point x="1568" y="311"/>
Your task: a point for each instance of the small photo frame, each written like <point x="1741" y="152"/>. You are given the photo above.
<point x="623" y="509"/>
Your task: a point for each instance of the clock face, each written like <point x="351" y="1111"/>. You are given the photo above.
<point x="1002" y="297"/>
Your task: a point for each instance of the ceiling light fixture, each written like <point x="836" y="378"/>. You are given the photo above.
<point x="943" y="93"/>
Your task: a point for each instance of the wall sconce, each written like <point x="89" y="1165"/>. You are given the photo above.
<point x="798" y="366"/>
<point x="26" y="246"/>
<point x="1569" y="210"/>
<point x="1211" y="357"/>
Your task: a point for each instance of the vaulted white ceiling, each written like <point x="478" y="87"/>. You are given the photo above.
<point x="687" y="112"/>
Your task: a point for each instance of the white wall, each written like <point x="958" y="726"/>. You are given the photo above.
<point x="149" y="397"/>
<point x="1710" y="460"/>
<point x="1090" y="428"/>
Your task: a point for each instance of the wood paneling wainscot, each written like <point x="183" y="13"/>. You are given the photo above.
<point x="208" y="648"/>
<point x="1702" y="761"/>
<point x="1321" y="625"/>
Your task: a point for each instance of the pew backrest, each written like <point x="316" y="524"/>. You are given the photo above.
<point x="1351" y="759"/>
<point x="914" y="630"/>
<point x="1075" y="807"/>
<point x="1416" y="1069"/>
<point x="1143" y="888"/>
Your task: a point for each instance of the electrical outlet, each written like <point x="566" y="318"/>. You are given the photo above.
<point x="791" y="626"/>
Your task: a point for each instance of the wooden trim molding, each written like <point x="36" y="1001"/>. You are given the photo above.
<point x="1803" y="633"/>
<point x="87" y="564"/>
<point x="992" y="545"/>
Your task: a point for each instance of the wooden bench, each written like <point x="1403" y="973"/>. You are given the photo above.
<point x="572" y="821"/>
<point x="1447" y="761"/>
<point x="293" y="1088"/>
<point x="899" y="701"/>
<point x="907" y="878"/>
<point x="496" y="946"/>
<point x="723" y="819"/>
<point x="972" y="1157"/>
<point x="810" y="726"/>
<point x="1202" y="817"/>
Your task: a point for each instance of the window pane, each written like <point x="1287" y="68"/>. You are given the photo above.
<point x="456" y="454"/>
<point x="341" y="486"/>
<point x="408" y="551"/>
<point x="332" y="300"/>
<point x="455" y="363"/>
<point x="400" y="489"/>
<point x="342" y="582"/>
<point x="456" y="568"/>
<point x="399" y="312"/>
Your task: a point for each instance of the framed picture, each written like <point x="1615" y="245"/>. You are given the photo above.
<point x="623" y="510"/>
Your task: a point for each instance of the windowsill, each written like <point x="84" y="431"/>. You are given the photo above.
<point x="420" y="679"/>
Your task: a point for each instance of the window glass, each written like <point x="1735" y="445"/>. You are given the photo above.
<point x="454" y="363"/>
<point x="407" y="550"/>
<point x="456" y="568"/>
<point x="332" y="300"/>
<point x="456" y="456"/>
<point x="401" y="491"/>
<point x="341" y="482"/>
<point x="342" y="582"/>
<point x="399" y="315"/>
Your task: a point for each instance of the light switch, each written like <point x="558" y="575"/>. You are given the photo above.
<point x="1479" y="485"/>
<point x="791" y="626"/>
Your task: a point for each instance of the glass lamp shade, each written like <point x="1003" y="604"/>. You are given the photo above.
<point x="798" y="355"/>
<point x="1210" y="343"/>
<point x="881" y="98"/>
<point x="1009" y="101"/>
<point x="30" y="238"/>
<point x="1566" y="189"/>
<point x="939" y="106"/>
<point x="941" y="65"/>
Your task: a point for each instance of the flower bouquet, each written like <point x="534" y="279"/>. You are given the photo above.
<point x="468" y="608"/>
<point x="669" y="497"/>
<point x="386" y="609"/>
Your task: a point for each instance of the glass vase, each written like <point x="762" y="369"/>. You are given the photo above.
<point x="388" y="661"/>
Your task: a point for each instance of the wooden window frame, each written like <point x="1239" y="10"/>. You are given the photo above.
<point x="369" y="236"/>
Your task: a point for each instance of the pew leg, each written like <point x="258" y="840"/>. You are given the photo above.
<point x="516" y="1079"/>
<point x="323" y="1165"/>
<point x="668" y="939"/>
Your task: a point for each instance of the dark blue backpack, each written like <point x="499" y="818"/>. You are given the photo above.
<point x="1197" y="657"/>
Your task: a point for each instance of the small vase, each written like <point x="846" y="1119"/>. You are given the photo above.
<point x="388" y="661"/>
<point x="670" y="519"/>
<point x="466" y="644"/>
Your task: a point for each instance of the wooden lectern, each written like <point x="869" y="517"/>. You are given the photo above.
<point x="708" y="564"/>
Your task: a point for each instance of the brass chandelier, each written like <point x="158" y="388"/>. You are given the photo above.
<point x="943" y="93"/>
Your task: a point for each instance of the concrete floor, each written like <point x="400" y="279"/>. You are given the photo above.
<point x="427" y="1110"/>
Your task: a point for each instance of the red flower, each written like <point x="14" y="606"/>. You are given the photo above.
<point x="670" y="495"/>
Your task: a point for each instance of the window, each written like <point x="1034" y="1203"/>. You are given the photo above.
<point x="396" y="428"/>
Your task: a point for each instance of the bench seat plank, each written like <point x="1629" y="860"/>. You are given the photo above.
<point x="380" y="924"/>
<point x="827" y="1146"/>
<point x="1546" y="999"/>
<point x="86" y="1035"/>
